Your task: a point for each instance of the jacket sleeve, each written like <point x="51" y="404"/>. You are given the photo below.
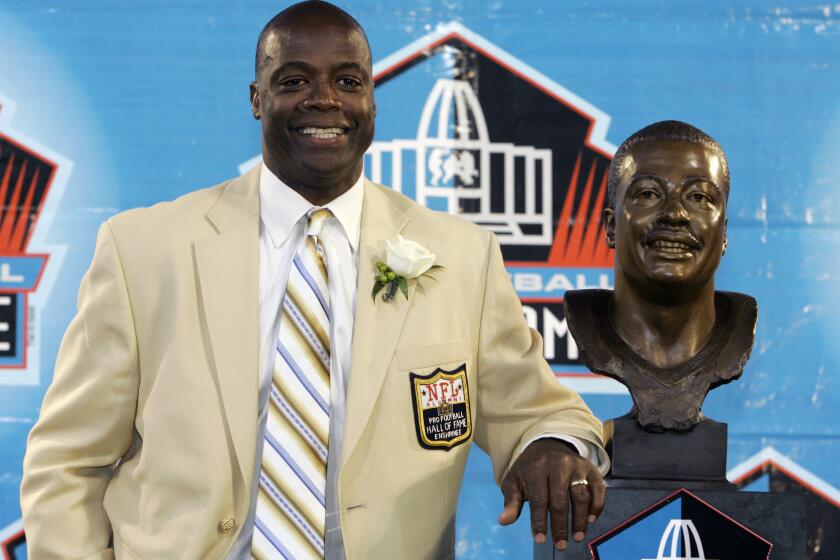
<point x="519" y="399"/>
<point x="86" y="421"/>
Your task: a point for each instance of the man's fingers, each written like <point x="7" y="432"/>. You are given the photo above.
<point x="556" y="482"/>
<point x="559" y="507"/>
<point x="538" y="498"/>
<point x="598" y="490"/>
<point x="580" y="506"/>
<point x="513" y="501"/>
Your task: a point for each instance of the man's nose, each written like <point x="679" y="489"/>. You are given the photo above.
<point x="323" y="96"/>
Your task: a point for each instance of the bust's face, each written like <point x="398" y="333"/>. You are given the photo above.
<point x="669" y="221"/>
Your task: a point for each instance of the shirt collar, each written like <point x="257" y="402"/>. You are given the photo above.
<point x="281" y="208"/>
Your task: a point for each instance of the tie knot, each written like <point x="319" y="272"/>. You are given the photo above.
<point x="315" y="220"/>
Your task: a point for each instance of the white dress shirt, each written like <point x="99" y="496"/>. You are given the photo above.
<point x="282" y="230"/>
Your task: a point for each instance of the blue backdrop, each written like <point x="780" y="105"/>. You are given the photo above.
<point x="129" y="103"/>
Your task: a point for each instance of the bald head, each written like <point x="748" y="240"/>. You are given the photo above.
<point x="307" y="14"/>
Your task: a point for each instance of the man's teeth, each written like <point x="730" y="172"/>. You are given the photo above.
<point x="322" y="132"/>
<point x="671" y="246"/>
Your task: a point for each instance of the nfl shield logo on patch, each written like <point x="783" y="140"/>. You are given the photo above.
<point x="441" y="402"/>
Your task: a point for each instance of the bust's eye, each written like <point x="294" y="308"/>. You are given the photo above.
<point x="646" y="198"/>
<point x="699" y="197"/>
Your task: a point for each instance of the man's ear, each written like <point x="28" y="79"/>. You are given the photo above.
<point x="255" y="101"/>
<point x="609" y="226"/>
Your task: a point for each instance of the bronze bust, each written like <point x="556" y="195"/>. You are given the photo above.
<point x="664" y="331"/>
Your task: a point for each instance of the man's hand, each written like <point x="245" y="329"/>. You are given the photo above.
<point x="548" y="474"/>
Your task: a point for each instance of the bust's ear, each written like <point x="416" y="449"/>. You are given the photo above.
<point x="725" y="239"/>
<point x="609" y="226"/>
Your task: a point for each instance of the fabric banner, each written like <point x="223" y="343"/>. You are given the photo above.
<point x="507" y="113"/>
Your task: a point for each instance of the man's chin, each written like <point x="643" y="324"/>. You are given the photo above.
<point x="326" y="169"/>
<point x="325" y="175"/>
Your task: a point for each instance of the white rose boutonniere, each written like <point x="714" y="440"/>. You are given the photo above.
<point x="404" y="260"/>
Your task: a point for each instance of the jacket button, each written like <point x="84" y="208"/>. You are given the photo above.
<point x="227" y="525"/>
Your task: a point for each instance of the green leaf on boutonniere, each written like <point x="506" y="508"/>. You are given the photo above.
<point x="377" y="287"/>
<point x="403" y="285"/>
<point x="432" y="269"/>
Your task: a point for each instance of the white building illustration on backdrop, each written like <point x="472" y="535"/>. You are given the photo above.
<point x="452" y="158"/>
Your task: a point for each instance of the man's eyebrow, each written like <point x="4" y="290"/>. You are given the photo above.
<point x="350" y="66"/>
<point x="292" y="65"/>
<point x="306" y="67"/>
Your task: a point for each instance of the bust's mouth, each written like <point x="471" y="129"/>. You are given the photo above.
<point x="675" y="247"/>
<point x="672" y="242"/>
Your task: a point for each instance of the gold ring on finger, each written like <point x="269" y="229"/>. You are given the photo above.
<point x="578" y="482"/>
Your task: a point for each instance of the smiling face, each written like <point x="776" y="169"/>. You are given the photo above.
<point x="668" y="226"/>
<point x="314" y="98"/>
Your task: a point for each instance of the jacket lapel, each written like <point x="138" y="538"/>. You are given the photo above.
<point x="377" y="323"/>
<point x="227" y="265"/>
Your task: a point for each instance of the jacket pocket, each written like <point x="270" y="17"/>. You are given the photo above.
<point x="456" y="351"/>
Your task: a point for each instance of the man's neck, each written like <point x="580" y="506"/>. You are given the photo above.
<point x="665" y="333"/>
<point x="319" y="191"/>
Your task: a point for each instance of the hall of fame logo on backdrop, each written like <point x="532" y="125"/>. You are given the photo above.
<point x="32" y="178"/>
<point x="504" y="146"/>
<point x="464" y="127"/>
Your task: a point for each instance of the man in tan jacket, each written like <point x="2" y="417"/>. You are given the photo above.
<point x="153" y="436"/>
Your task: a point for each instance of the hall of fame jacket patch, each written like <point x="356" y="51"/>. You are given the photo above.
<point x="441" y="402"/>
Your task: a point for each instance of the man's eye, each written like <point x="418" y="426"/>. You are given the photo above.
<point x="699" y="197"/>
<point x="349" y="82"/>
<point x="292" y="82"/>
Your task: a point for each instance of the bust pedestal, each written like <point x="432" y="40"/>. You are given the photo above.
<point x="642" y="459"/>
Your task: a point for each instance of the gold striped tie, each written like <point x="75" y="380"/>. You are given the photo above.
<point x="291" y="502"/>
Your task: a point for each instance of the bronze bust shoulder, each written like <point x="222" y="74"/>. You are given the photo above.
<point x="664" y="398"/>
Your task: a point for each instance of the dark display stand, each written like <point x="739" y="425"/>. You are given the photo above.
<point x="653" y="469"/>
<point x="777" y="518"/>
<point x="641" y="459"/>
